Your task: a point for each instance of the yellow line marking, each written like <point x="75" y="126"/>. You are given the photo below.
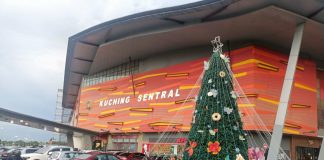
<point x="141" y="109"/>
<point x="268" y="100"/>
<point x="114" y="111"/>
<point x="83" y="119"/>
<point x="189" y="87"/>
<point x="101" y="99"/>
<point x="251" y="61"/>
<point x="150" y="75"/>
<point x="180" y="108"/>
<point x="138" y="114"/>
<point x="261" y="65"/>
<point x="90" y="89"/>
<point x="123" y="93"/>
<point x="100" y="125"/>
<point x="185" y="127"/>
<point x="301" y="86"/>
<point x="127" y="129"/>
<point x="246" y="105"/>
<point x="286" y="130"/>
<point x="135" y="121"/>
<point x="177" y="75"/>
<point x="162" y="104"/>
<point x="237" y="75"/>
<point x="164" y="124"/>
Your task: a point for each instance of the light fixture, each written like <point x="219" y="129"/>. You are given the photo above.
<point x="21" y="121"/>
<point x="45" y="129"/>
<point x="12" y="122"/>
<point x="26" y="123"/>
<point x="56" y="129"/>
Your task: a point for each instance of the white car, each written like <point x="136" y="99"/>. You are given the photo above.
<point x="44" y="153"/>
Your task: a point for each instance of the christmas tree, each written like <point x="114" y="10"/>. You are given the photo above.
<point x="216" y="132"/>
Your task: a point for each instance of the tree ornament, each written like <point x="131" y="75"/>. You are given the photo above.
<point x="191" y="147"/>
<point x="222" y="74"/>
<point x="206" y="107"/>
<point x="212" y="92"/>
<point x="241" y="114"/>
<point x="241" y="138"/>
<point x="228" y="110"/>
<point x="222" y="56"/>
<point x="216" y="116"/>
<point x="239" y="157"/>
<point x="214" y="148"/>
<point x="206" y="65"/>
<point x="200" y="131"/>
<point x="226" y="60"/>
<point x="227" y="157"/>
<point x="235" y="128"/>
<point x="237" y="150"/>
<point x="225" y="82"/>
<point x="210" y="81"/>
<point x="194" y="119"/>
<point x="212" y="132"/>
<point x="233" y="94"/>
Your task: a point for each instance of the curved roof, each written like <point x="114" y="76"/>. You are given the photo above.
<point x="143" y="34"/>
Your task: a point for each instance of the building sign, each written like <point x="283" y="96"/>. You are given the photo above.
<point x="153" y="101"/>
<point x="164" y="99"/>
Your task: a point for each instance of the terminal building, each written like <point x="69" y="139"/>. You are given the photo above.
<point x="136" y="78"/>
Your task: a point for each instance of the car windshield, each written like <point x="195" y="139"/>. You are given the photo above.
<point x="69" y="155"/>
<point x="10" y="150"/>
<point x="83" y="156"/>
<point x="43" y="150"/>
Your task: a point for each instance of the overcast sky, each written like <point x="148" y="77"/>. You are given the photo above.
<point x="33" y="44"/>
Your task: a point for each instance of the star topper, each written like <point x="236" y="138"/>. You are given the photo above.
<point x="217" y="44"/>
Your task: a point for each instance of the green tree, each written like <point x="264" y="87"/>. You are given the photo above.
<point x="216" y="132"/>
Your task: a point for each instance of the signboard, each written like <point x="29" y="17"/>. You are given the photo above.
<point x="164" y="99"/>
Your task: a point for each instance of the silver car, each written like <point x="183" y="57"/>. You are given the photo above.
<point x="63" y="155"/>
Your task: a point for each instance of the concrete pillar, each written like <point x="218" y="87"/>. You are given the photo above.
<point x="82" y="142"/>
<point x="321" y="153"/>
<point x="69" y="137"/>
<point x="110" y="143"/>
<point x="285" y="94"/>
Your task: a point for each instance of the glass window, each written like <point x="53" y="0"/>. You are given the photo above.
<point x="111" y="157"/>
<point x="31" y="150"/>
<point x="66" y="149"/>
<point x="101" y="157"/>
<point x="116" y="72"/>
<point x="55" y="150"/>
<point x="83" y="156"/>
<point x="120" y="140"/>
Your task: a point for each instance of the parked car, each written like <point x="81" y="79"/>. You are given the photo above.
<point x="63" y="155"/>
<point x="97" y="156"/>
<point x="44" y="153"/>
<point x="28" y="150"/>
<point x="9" y="153"/>
<point x="132" y="156"/>
<point x="3" y="149"/>
<point x="163" y="157"/>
